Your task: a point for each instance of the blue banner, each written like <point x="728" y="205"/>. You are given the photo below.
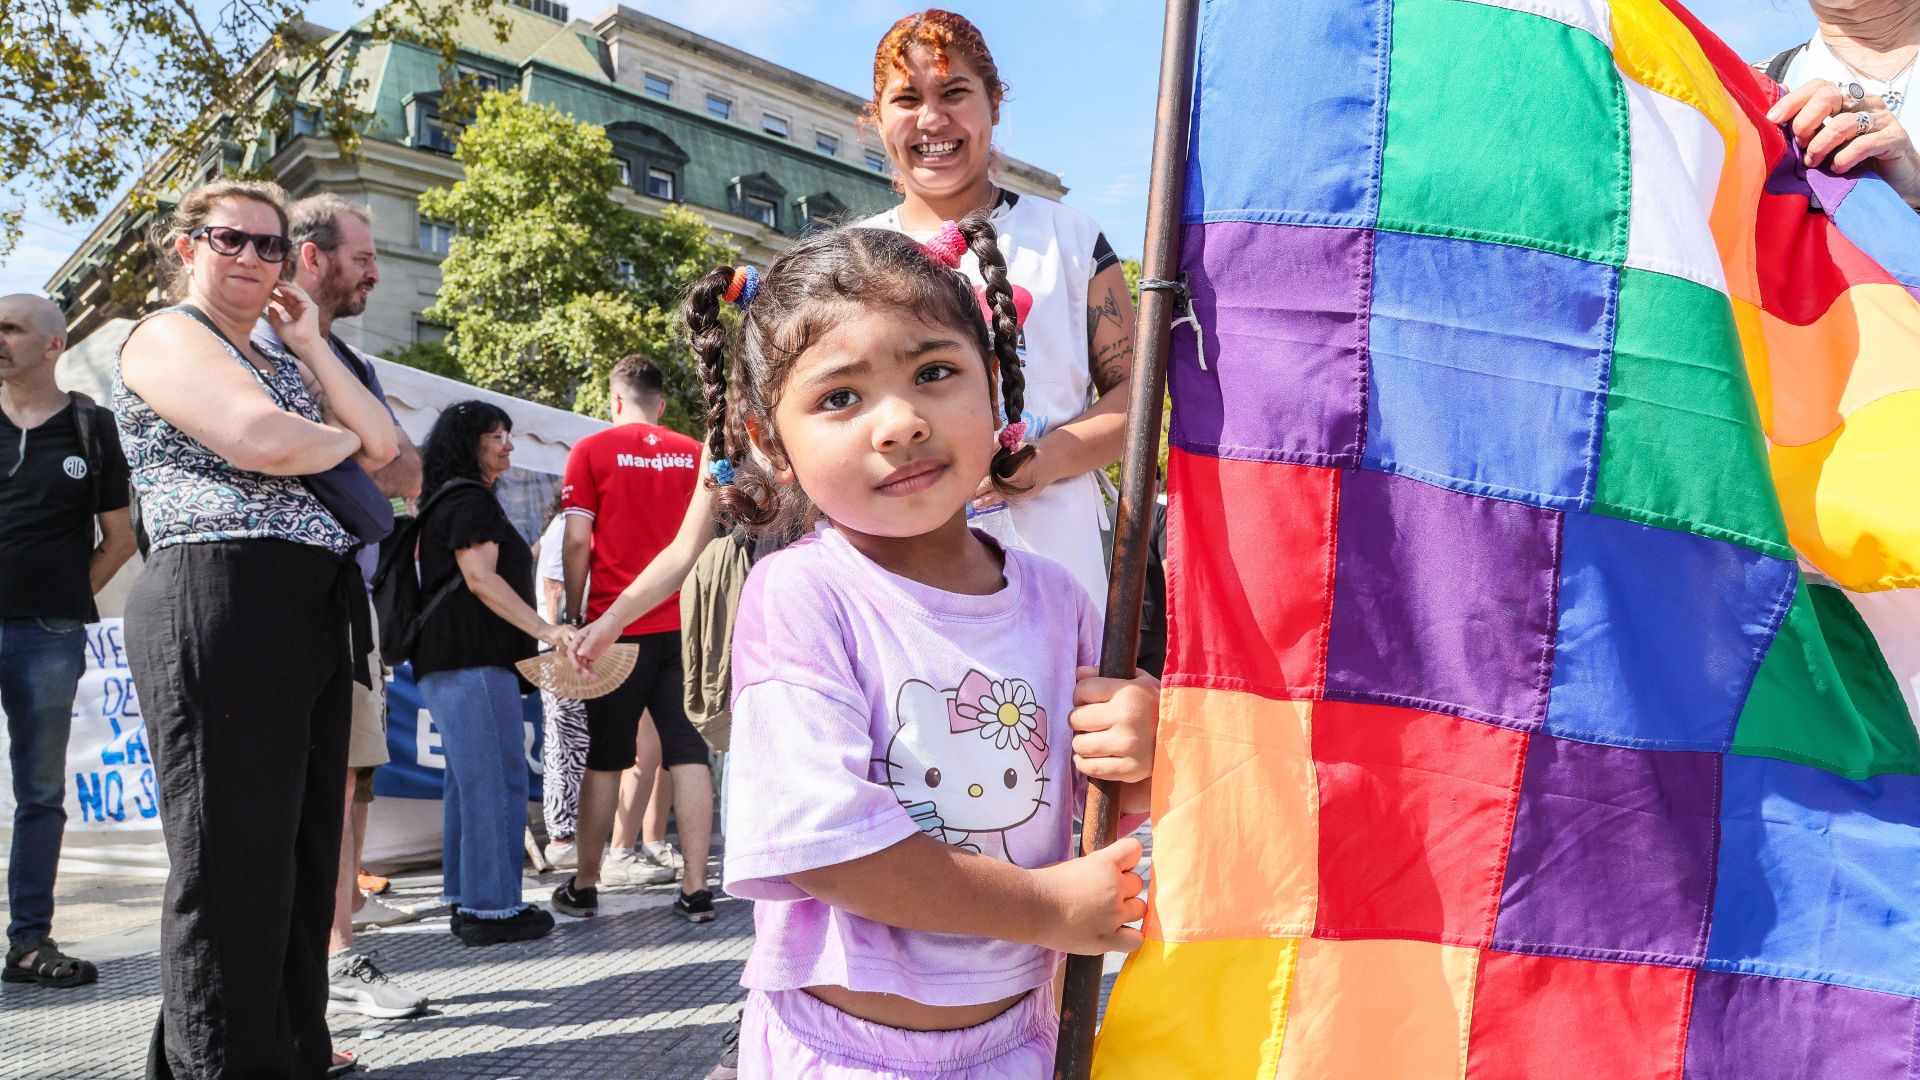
<point x="418" y="767"/>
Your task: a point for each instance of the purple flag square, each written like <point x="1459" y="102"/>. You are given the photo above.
<point x="1751" y="1027"/>
<point x="1283" y="324"/>
<point x="1443" y="601"/>
<point x="1612" y="854"/>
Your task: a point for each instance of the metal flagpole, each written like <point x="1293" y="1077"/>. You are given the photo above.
<point x="1133" y="527"/>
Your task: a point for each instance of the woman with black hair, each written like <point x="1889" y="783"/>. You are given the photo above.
<point x="463" y="664"/>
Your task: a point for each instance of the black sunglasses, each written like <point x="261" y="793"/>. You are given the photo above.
<point x="225" y="240"/>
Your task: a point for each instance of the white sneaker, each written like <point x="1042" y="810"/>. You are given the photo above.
<point x="355" y="985"/>
<point x="627" y="868"/>
<point x="563" y="854"/>
<point x="374" y="913"/>
<point x="662" y="854"/>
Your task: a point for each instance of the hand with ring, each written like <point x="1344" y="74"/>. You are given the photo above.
<point x="1841" y="127"/>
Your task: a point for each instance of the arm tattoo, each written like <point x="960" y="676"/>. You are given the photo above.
<point x="1108" y="309"/>
<point x="1112" y="362"/>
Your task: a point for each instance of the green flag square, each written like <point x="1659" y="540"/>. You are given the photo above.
<point x="1825" y="697"/>
<point x="1480" y="147"/>
<point x="1682" y="446"/>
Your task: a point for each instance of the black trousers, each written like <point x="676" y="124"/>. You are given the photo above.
<point x="239" y="651"/>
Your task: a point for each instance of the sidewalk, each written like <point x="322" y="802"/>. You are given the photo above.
<point x="635" y="993"/>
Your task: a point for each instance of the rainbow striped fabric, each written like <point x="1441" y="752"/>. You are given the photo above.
<point x="1544" y="566"/>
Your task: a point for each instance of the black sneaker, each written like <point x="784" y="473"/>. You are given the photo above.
<point x="579" y="903"/>
<point x="457" y="920"/>
<point x="530" y="923"/>
<point x="694" y="907"/>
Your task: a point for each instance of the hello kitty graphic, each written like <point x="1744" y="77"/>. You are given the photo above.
<point x="970" y="763"/>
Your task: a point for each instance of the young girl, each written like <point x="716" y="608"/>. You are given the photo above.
<point x="906" y="736"/>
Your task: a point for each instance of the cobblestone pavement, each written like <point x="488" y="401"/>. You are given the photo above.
<point x="635" y="993"/>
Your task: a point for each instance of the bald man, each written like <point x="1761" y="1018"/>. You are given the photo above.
<point x="64" y="532"/>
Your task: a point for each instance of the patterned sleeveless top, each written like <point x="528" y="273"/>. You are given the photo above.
<point x="191" y="495"/>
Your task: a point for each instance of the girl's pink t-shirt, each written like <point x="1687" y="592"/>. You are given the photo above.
<point x="868" y="707"/>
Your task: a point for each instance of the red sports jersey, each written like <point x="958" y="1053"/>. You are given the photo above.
<point x="634" y="481"/>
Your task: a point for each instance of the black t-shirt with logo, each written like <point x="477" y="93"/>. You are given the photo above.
<point x="48" y="498"/>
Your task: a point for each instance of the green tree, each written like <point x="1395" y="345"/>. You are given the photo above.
<point x="429" y="356"/>
<point x="91" y="91"/>
<point x="548" y="280"/>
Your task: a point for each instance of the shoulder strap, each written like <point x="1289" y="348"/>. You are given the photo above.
<point x="86" y="424"/>
<point x="1776" y="68"/>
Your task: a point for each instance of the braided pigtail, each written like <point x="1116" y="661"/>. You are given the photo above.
<point x="981" y="239"/>
<point x="742" y="493"/>
<point x="701" y="313"/>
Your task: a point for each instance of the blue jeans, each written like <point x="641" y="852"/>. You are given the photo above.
<point x="40" y="664"/>
<point x="483" y="737"/>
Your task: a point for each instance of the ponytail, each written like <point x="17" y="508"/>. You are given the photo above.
<point x="1004" y="335"/>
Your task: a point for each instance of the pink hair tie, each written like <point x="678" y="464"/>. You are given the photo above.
<point x="947" y="246"/>
<point x="1014" y="435"/>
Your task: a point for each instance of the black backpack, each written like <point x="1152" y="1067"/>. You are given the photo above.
<point x="398" y="596"/>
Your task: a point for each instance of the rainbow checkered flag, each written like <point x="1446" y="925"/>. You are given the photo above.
<point x="1543" y="566"/>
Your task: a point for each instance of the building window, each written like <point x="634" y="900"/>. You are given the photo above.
<point x="819" y="208"/>
<point x="877" y="161"/>
<point x="652" y="162"/>
<point x="436" y="236"/>
<point x="485" y="82"/>
<point x="659" y="86"/>
<point x="757" y="197"/>
<point x="773" y="125"/>
<point x="424" y="331"/>
<point x="626" y="172"/>
<point x="624" y="271"/>
<point x="719" y="106"/>
<point x="434" y="134"/>
<point x="306" y="120"/>
<point x="826" y="144"/>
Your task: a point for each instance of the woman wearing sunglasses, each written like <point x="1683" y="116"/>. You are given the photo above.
<point x="238" y="635"/>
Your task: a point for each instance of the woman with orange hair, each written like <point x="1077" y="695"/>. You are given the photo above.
<point x="936" y="98"/>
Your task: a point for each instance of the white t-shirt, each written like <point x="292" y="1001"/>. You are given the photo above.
<point x="1052" y="254"/>
<point x="550" y="567"/>
<point x="1817" y="61"/>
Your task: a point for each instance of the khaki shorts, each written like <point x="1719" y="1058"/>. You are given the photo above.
<point x="367" y="745"/>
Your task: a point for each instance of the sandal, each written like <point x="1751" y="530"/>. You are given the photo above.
<point x="344" y="1062"/>
<point x="50" y="966"/>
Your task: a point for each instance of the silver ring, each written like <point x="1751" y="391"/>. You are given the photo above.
<point x="1854" y="93"/>
<point x="1863" y="124"/>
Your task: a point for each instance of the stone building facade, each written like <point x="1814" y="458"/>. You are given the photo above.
<point x="759" y="150"/>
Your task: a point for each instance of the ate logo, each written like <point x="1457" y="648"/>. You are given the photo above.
<point x="75" y="467"/>
<point x="652" y="439"/>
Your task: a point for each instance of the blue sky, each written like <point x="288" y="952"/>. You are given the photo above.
<point x="1083" y="75"/>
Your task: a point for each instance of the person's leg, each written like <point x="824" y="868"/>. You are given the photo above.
<point x="693" y="799"/>
<point x="40" y="664"/>
<point x="613" y="722"/>
<point x="480" y="732"/>
<point x="685" y="755"/>
<point x="318" y="841"/>
<point x="445" y="696"/>
<point x="653" y="826"/>
<point x="640" y="787"/>
<point x="345" y="891"/>
<point x="559" y="784"/>
<point x="231" y="683"/>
